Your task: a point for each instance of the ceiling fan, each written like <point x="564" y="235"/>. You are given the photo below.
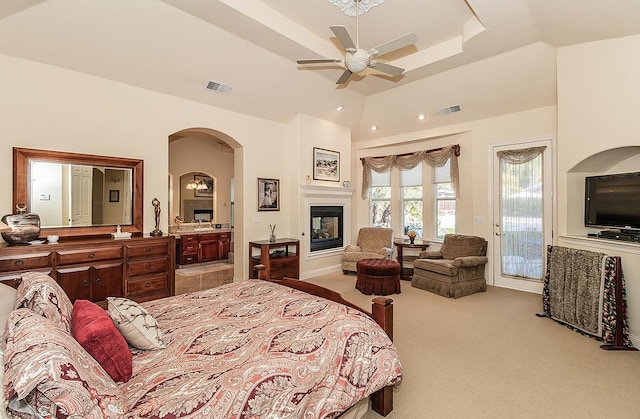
<point x="356" y="60"/>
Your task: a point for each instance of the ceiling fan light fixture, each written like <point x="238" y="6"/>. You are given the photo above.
<point x="358" y="61"/>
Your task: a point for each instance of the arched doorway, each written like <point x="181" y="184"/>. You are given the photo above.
<point x="209" y="154"/>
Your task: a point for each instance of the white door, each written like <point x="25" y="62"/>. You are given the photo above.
<point x="522" y="214"/>
<point x="80" y="196"/>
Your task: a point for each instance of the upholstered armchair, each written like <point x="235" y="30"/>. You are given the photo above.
<point x="456" y="270"/>
<point x="372" y="243"/>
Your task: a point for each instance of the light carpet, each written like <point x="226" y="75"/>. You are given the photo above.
<point x="488" y="356"/>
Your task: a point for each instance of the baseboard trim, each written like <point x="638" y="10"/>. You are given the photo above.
<point x="323" y="271"/>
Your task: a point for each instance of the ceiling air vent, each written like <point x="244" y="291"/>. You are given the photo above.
<point x="219" y="87"/>
<point x="450" y="109"/>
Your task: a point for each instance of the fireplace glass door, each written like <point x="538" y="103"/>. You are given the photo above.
<point x="326" y="227"/>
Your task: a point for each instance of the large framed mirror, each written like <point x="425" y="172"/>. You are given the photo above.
<point x="79" y="194"/>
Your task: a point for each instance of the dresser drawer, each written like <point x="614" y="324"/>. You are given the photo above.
<point x="147" y="285"/>
<point x="67" y="257"/>
<point x="147" y="249"/>
<point x="148" y="266"/>
<point x="187" y="259"/>
<point x="190" y="248"/>
<point x="284" y="263"/>
<point x="208" y="237"/>
<point x="25" y="262"/>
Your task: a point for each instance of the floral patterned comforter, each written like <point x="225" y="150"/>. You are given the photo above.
<point x="256" y="349"/>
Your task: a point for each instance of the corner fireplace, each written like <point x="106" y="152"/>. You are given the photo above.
<point x="327" y="229"/>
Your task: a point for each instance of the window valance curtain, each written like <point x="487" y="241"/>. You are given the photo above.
<point x="434" y="158"/>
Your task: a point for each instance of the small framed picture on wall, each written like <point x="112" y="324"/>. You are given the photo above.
<point x="114" y="195"/>
<point x="326" y="165"/>
<point x="268" y="194"/>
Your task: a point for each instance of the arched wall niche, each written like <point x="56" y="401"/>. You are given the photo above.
<point x="606" y="160"/>
<point x="227" y="150"/>
<point x="615" y="160"/>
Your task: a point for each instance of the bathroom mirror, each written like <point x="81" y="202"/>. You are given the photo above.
<point x="79" y="194"/>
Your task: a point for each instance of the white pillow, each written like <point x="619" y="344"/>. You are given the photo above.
<point x="136" y="324"/>
<point x="7" y="300"/>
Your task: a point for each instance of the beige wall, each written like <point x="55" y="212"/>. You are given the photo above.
<point x="598" y="91"/>
<point x="312" y="132"/>
<point x="206" y="156"/>
<point x="476" y="140"/>
<point x="58" y="109"/>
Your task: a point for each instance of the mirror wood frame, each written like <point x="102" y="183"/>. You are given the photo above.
<point x="21" y="157"/>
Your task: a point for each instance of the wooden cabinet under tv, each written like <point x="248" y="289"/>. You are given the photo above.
<point x="141" y="268"/>
<point x="280" y="258"/>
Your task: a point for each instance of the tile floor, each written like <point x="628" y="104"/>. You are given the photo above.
<point x="196" y="278"/>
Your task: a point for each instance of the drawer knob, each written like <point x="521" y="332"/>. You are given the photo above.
<point x="148" y="284"/>
<point x="98" y="281"/>
<point x="92" y="255"/>
<point x="19" y="262"/>
<point x="85" y="283"/>
<point x="148" y="266"/>
<point x="148" y="249"/>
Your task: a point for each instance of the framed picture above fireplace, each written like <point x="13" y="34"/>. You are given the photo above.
<point x="268" y="194"/>
<point x="326" y="165"/>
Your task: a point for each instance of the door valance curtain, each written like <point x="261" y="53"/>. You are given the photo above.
<point x="520" y="156"/>
<point x="435" y="158"/>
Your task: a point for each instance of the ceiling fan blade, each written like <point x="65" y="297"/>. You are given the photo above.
<point x="319" y="61"/>
<point x="344" y="77"/>
<point x="386" y="68"/>
<point x="393" y="45"/>
<point x="343" y="36"/>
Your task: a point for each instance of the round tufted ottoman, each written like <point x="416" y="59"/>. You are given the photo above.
<point x="378" y="276"/>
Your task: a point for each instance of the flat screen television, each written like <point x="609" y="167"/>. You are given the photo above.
<point x="613" y="201"/>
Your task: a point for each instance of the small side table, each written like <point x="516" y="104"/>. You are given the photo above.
<point x="281" y="258"/>
<point x="407" y="273"/>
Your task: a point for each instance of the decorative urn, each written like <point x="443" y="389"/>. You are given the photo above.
<point x="24" y="226"/>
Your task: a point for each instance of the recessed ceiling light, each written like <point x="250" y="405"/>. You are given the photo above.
<point x="374" y="128"/>
<point x="339" y="108"/>
<point x="421" y="116"/>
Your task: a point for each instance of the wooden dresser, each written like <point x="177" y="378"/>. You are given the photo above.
<point x="140" y="269"/>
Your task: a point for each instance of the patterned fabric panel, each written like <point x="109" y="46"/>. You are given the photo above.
<point x="566" y="264"/>
<point x="257" y="349"/>
<point x="42" y="294"/>
<point x="48" y="368"/>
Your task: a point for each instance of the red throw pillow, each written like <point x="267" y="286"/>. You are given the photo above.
<point x="92" y="327"/>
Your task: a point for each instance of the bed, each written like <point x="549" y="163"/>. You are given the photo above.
<point x="250" y="349"/>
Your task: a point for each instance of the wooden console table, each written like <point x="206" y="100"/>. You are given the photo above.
<point x="280" y="258"/>
<point x="407" y="273"/>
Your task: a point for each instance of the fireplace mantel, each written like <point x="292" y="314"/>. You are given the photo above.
<point x="319" y="190"/>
